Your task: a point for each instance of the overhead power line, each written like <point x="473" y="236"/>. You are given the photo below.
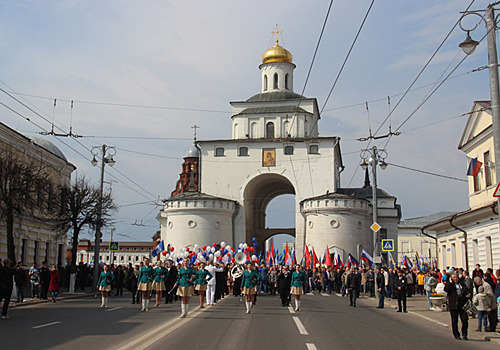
<point x="427" y="172"/>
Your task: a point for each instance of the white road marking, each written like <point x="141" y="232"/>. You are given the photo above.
<point x="311" y="346"/>
<point x="115" y="308"/>
<point x="292" y="311"/>
<point x="300" y="326"/>
<point x="428" y="318"/>
<point x="46" y="325"/>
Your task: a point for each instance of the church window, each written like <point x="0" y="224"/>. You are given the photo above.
<point x="275" y="81"/>
<point x="270" y="130"/>
<point x="265" y="82"/>
<point x="288" y="150"/>
<point x="253" y="130"/>
<point x="286" y="129"/>
<point x="219" y="152"/>
<point x="286" y="81"/>
<point x="487" y="168"/>
<point x="243" y="151"/>
<point x="313" y="149"/>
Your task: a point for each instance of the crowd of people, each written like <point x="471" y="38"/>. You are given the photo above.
<point x="212" y="281"/>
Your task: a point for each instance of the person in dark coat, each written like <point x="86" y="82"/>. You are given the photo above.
<point x="44" y="281"/>
<point x="21" y="279"/>
<point x="380" y="281"/>
<point x="119" y="280"/>
<point x="400" y="287"/>
<point x="6" y="285"/>
<point x="353" y="286"/>
<point x="284" y="285"/>
<point x="457" y="297"/>
<point x="172" y="276"/>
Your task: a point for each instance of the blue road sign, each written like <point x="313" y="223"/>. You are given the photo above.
<point x="114" y="246"/>
<point x="387" y="245"/>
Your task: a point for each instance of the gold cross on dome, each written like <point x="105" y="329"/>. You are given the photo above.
<point x="195" y="127"/>
<point x="277" y="31"/>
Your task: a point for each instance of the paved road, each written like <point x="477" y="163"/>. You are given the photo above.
<point x="327" y="322"/>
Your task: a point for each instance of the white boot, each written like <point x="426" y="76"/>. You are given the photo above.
<point x="147" y="304"/>
<point x="143" y="304"/>
<point x="183" y="310"/>
<point x="249" y="306"/>
<point x="106" y="302"/>
<point x="187" y="310"/>
<point x="297" y="305"/>
<point x="102" y="302"/>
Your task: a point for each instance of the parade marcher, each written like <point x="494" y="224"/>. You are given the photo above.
<point x="44" y="280"/>
<point x="370" y="283"/>
<point x="145" y="281"/>
<point x="430" y="284"/>
<point x="493" y="313"/>
<point x="284" y="285"/>
<point x="104" y="284"/>
<point x="298" y="282"/>
<point x="483" y="303"/>
<point x="159" y="275"/>
<point x="353" y="286"/>
<point x="6" y="286"/>
<point x="133" y="277"/>
<point x="55" y="282"/>
<point x="249" y="282"/>
<point x="409" y="284"/>
<point x="400" y="286"/>
<point x="380" y="280"/>
<point x="212" y="283"/>
<point x="202" y="276"/>
<point x="264" y="282"/>
<point x="273" y="280"/>
<point x="185" y="283"/>
<point x="170" y="282"/>
<point x="119" y="278"/>
<point x="457" y="296"/>
<point x="230" y="282"/>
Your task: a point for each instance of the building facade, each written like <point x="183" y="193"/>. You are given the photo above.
<point x="35" y="240"/>
<point x="128" y="253"/>
<point x="225" y="185"/>
<point x="472" y="237"/>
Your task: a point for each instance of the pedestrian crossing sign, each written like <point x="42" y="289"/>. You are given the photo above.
<point x="114" y="246"/>
<point x="387" y="245"/>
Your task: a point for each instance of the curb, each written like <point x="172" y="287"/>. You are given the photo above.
<point x="66" y="296"/>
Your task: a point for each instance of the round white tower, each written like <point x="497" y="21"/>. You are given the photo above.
<point x="277" y="69"/>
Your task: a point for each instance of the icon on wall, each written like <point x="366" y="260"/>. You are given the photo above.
<point x="269" y="157"/>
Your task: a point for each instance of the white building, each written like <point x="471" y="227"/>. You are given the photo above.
<point x="129" y="252"/>
<point x="275" y="149"/>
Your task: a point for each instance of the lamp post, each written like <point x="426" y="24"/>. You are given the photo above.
<point x="468" y="46"/>
<point x="373" y="157"/>
<point x="107" y="153"/>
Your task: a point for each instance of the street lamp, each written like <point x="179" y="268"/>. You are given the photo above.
<point x="468" y="46"/>
<point x="107" y="153"/>
<point x="373" y="157"/>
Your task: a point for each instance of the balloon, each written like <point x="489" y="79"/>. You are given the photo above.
<point x="202" y="259"/>
<point x="187" y="249"/>
<point x="183" y="249"/>
<point x="217" y="254"/>
<point x="240" y="246"/>
<point x="250" y="249"/>
<point x="254" y="240"/>
<point x="197" y="263"/>
<point x="211" y="257"/>
<point x="164" y="253"/>
<point x="245" y="246"/>
<point x="222" y="244"/>
<point x="195" y="246"/>
<point x="214" y="245"/>
<point x="254" y="257"/>
<point x="204" y="247"/>
<point x="212" y="250"/>
<point x="172" y="249"/>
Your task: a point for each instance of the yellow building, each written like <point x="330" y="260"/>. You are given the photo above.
<point x="36" y="240"/>
<point x="472" y="237"/>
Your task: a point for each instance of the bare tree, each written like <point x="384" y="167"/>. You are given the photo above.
<point x="78" y="209"/>
<point x="26" y="190"/>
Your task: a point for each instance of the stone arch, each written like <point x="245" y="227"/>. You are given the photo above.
<point x="257" y="194"/>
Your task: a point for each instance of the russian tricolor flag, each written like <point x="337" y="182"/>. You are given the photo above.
<point x="367" y="258"/>
<point x="474" y="167"/>
<point x="351" y="262"/>
<point x="337" y="262"/>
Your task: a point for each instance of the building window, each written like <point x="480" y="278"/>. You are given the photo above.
<point x="36" y="255"/>
<point x="243" y="151"/>
<point x="24" y="251"/>
<point x="487" y="169"/>
<point x="219" y="152"/>
<point x="275" y="81"/>
<point x="314" y="149"/>
<point x="265" y="82"/>
<point x="288" y="150"/>
<point x="142" y="249"/>
<point x="127" y="249"/>
<point x="270" y="130"/>
<point x="47" y="252"/>
<point x="286" y="81"/>
<point x="477" y="186"/>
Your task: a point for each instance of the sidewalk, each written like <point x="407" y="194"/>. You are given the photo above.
<point x="419" y="306"/>
<point x="60" y="297"/>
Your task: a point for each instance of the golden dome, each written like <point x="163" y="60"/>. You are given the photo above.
<point x="277" y="54"/>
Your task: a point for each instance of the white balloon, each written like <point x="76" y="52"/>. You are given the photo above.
<point x="212" y="249"/>
<point x="196" y="247"/>
<point x="211" y="257"/>
<point x="202" y="259"/>
<point x="217" y="254"/>
<point x="222" y="244"/>
<point x="254" y="257"/>
<point x="245" y="246"/>
<point x="183" y="249"/>
<point x="228" y="248"/>
<point x="240" y="246"/>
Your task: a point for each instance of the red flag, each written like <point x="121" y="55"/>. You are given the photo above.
<point x="328" y="258"/>
<point x="308" y="257"/>
<point x="315" y="258"/>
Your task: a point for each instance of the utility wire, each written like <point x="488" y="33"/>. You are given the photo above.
<point x="427" y="172"/>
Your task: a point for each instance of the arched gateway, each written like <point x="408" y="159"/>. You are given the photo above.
<point x="226" y="185"/>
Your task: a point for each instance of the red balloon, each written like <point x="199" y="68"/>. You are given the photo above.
<point x="164" y="252"/>
<point x="187" y="249"/>
<point x="232" y="260"/>
<point x="172" y="249"/>
<point x="204" y="247"/>
<point x="250" y="249"/>
<point x="214" y="245"/>
<point x="197" y="263"/>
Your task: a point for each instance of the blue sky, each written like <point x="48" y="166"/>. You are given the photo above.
<point x="204" y="54"/>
